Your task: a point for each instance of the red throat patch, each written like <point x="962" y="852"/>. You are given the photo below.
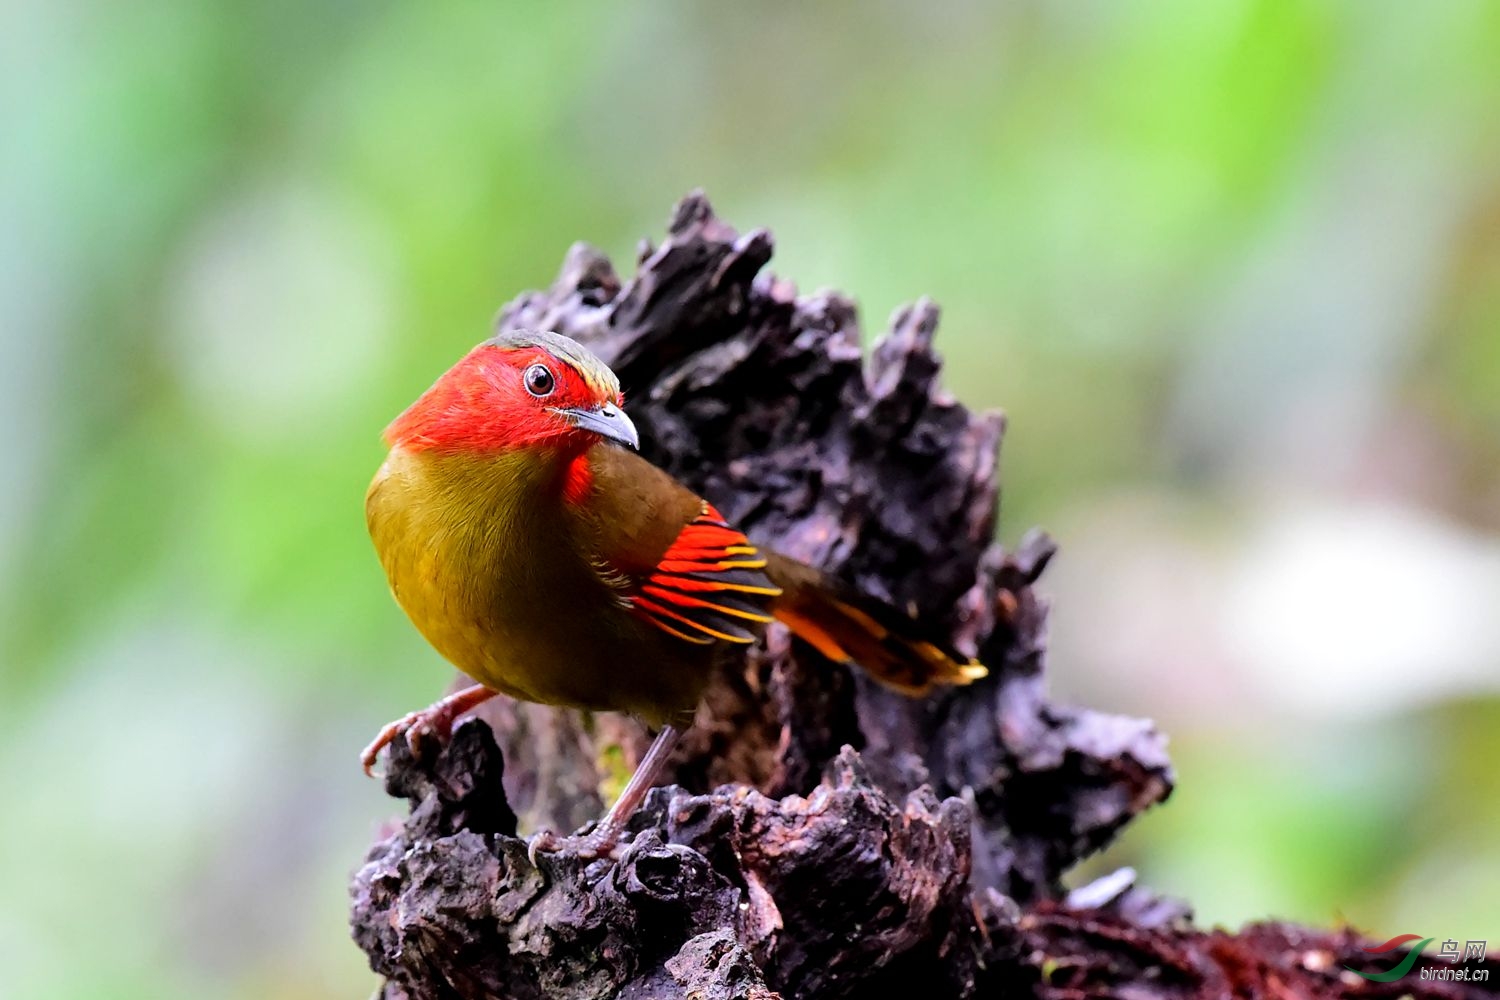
<point x="578" y="480"/>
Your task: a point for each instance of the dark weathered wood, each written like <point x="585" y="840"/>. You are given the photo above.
<point x="825" y="837"/>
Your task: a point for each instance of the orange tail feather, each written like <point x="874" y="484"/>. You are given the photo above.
<point x="848" y="626"/>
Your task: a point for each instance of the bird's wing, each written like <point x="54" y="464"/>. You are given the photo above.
<point x="676" y="562"/>
<point x="708" y="585"/>
<point x="678" y="565"/>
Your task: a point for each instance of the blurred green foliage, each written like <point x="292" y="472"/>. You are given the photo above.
<point x="1222" y="264"/>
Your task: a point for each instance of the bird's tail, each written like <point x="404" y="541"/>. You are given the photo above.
<point x="846" y="625"/>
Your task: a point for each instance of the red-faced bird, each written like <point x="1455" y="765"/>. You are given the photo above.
<point x="549" y="562"/>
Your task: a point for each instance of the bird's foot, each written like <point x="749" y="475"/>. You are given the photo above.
<point x="601" y="842"/>
<point x="411" y="724"/>
<point x="436" y="720"/>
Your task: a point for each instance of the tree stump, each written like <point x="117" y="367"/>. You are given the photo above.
<point x="823" y="837"/>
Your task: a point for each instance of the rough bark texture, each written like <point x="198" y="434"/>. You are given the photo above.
<point x="824" y="837"/>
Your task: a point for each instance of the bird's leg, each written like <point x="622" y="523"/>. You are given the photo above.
<point x="602" y="839"/>
<point x="641" y="782"/>
<point x="436" y="719"/>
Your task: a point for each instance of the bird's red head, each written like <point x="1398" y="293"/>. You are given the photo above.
<point x="518" y="390"/>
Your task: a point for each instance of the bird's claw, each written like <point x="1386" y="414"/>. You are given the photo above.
<point x="435" y="720"/>
<point x="415" y="726"/>
<point x="542" y="842"/>
<point x="601" y="842"/>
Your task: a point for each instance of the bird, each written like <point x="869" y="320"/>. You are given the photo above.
<point x="540" y="554"/>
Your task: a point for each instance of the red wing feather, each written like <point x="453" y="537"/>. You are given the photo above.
<point x="708" y="586"/>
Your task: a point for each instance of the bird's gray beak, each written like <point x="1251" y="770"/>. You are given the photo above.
<point x="607" y="421"/>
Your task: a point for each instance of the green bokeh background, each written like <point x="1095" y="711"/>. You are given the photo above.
<point x="1232" y="270"/>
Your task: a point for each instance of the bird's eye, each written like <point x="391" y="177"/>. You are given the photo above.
<point x="539" y="381"/>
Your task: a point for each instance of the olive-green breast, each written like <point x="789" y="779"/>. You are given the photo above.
<point x="509" y="581"/>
